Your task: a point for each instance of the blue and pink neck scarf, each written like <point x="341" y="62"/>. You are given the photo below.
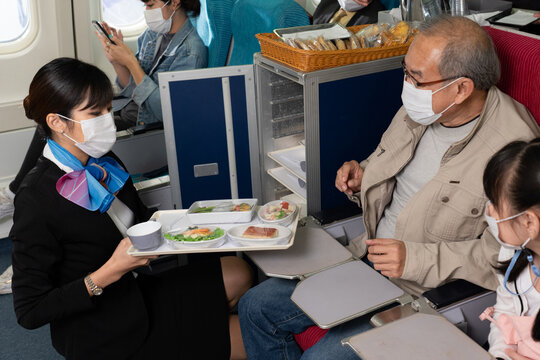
<point x="92" y="186"/>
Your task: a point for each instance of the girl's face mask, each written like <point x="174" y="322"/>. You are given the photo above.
<point x="156" y="22"/>
<point x="494" y="228"/>
<point x="99" y="135"/>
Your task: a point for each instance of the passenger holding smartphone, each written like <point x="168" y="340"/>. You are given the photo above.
<point x="169" y="43"/>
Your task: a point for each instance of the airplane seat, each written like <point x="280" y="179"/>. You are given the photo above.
<point x="519" y="56"/>
<point x="390" y="4"/>
<point x="309" y="337"/>
<point x="250" y="17"/>
<point x="214" y="27"/>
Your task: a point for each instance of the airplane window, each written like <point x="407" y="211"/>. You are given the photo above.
<point x="122" y="13"/>
<point x="14" y="20"/>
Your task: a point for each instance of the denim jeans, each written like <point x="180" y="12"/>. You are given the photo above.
<point x="269" y="318"/>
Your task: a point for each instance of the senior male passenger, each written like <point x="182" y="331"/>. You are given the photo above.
<point x="421" y="189"/>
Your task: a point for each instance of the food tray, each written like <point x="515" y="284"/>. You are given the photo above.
<point x="222" y="216"/>
<point x="178" y="218"/>
<point x="286" y="178"/>
<point x="291" y="159"/>
<point x="309" y="60"/>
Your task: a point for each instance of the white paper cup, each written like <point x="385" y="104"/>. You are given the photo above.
<point x="145" y="236"/>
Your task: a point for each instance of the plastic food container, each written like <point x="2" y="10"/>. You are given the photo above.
<point x="220" y="211"/>
<point x="283" y="235"/>
<point x="265" y="212"/>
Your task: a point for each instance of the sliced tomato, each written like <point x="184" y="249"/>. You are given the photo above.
<point x="285" y="205"/>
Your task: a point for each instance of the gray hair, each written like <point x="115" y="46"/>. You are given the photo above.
<point x="469" y="51"/>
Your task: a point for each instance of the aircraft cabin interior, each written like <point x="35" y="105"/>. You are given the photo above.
<point x="270" y="179"/>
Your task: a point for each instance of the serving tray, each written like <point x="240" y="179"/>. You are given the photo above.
<point x="174" y="219"/>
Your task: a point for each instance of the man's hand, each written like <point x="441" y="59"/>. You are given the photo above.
<point x="388" y="256"/>
<point x="349" y="177"/>
<point x="514" y="355"/>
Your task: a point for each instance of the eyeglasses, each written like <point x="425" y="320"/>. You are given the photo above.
<point x="417" y="83"/>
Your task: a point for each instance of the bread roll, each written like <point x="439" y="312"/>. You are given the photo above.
<point x="302" y="43"/>
<point x="323" y="43"/>
<point x="340" y="44"/>
<point x="331" y="45"/>
<point x="292" y="43"/>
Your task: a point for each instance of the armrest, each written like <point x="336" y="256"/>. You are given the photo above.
<point x="140" y="129"/>
<point x="452" y="292"/>
<point x="337" y="213"/>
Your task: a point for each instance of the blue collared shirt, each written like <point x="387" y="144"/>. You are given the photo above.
<point x="185" y="51"/>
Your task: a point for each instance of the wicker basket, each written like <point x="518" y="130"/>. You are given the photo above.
<point x="310" y="60"/>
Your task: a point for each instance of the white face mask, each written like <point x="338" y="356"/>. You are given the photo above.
<point x="99" y="135"/>
<point x="350" y="5"/>
<point x="156" y="22"/>
<point x="419" y="103"/>
<point x="494" y="228"/>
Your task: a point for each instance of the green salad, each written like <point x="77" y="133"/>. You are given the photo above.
<point x="196" y="234"/>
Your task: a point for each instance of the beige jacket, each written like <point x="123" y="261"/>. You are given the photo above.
<point x="442" y="225"/>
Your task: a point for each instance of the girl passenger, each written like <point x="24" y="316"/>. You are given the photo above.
<point x="65" y="249"/>
<point x="512" y="184"/>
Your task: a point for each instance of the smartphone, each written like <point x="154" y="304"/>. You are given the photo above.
<point x="100" y="28"/>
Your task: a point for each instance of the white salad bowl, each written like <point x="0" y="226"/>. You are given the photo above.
<point x="181" y="244"/>
<point x="263" y="211"/>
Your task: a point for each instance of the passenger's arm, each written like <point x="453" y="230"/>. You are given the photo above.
<point x="122" y="71"/>
<point x="432" y="264"/>
<point x="514" y="355"/>
<point x="387" y="255"/>
<point x="121" y="55"/>
<point x="146" y="94"/>
<point x="504" y="305"/>
<point x="355" y="195"/>
<point x="349" y="177"/>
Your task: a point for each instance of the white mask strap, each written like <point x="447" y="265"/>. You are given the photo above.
<point x="447" y="85"/>
<point x="70" y="138"/>
<point x="62" y="116"/>
<point x="511" y="217"/>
